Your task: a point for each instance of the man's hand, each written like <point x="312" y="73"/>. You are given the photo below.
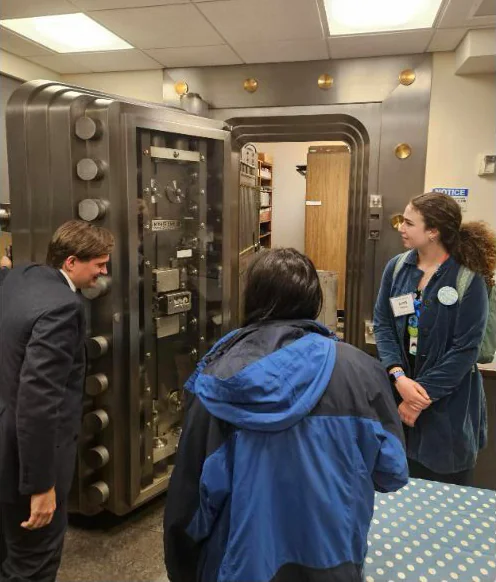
<point x="413" y="393"/>
<point x="43" y="507"/>
<point x="408" y="414"/>
<point x="6" y="262"/>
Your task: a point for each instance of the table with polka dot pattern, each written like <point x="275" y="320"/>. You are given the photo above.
<point x="431" y="532"/>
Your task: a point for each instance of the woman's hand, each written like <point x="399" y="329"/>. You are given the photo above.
<point x="412" y="393"/>
<point x="407" y="414"/>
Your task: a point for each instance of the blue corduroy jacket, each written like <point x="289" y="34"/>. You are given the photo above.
<point x="448" y="435"/>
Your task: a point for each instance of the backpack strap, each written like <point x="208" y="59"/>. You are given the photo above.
<point x="463" y="281"/>
<point x="399" y="263"/>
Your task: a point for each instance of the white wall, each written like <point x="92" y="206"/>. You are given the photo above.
<point x="462" y="125"/>
<point x="288" y="199"/>
<point x="144" y="85"/>
<point x="19" y="68"/>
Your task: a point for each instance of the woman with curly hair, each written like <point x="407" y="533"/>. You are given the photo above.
<point x="428" y="333"/>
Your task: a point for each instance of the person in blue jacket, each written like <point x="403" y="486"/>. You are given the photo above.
<point x="428" y="337"/>
<point x="286" y="436"/>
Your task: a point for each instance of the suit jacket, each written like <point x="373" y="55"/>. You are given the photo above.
<point x="42" y="368"/>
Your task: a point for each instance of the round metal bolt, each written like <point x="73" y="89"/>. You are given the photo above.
<point x="92" y="209"/>
<point x="96" y="384"/>
<point x="97" y="457"/>
<point x="97" y="346"/>
<point x="146" y="227"/>
<point x="87" y="128"/>
<point x="148" y="355"/>
<point x="148" y="264"/>
<point x="95" y="421"/>
<point x="202" y="339"/>
<point x="148" y="389"/>
<point x="149" y="425"/>
<point x="98" y="493"/>
<point x="202" y="257"/>
<point x="202" y="225"/>
<point x="202" y="192"/>
<point x="202" y="158"/>
<point x="88" y="169"/>
<point x="149" y="458"/>
<point x="146" y="152"/>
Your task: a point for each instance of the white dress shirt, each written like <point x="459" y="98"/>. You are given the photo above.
<point x="71" y="284"/>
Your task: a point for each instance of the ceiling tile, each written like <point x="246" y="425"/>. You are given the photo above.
<point x="376" y="45"/>
<point x="17" y="45"/>
<point x="27" y="8"/>
<point x="263" y="20"/>
<point x="111" y="4"/>
<point x="282" y="51"/>
<point x="159" y="26"/>
<point x="60" y="64"/>
<point x="126" y="60"/>
<point x="202" y="56"/>
<point x="446" y="39"/>
<point x="460" y="13"/>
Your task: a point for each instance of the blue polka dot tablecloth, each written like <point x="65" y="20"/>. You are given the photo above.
<point x="431" y="532"/>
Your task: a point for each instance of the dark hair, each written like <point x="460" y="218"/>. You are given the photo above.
<point x="281" y="284"/>
<point x="472" y="244"/>
<point x="80" y="239"/>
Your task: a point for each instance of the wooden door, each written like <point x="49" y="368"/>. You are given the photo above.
<point x="326" y="216"/>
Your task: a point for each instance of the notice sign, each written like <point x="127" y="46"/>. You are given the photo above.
<point x="459" y="194"/>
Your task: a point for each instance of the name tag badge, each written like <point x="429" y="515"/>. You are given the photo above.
<point x="402" y="305"/>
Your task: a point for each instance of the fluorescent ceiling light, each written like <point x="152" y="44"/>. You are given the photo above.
<point x="369" y="16"/>
<point x="67" y="33"/>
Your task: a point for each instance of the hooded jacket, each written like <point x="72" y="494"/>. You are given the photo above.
<point x="286" y="436"/>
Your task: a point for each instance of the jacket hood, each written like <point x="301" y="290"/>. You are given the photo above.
<point x="267" y="376"/>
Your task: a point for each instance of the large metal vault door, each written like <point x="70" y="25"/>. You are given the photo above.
<point x="156" y="178"/>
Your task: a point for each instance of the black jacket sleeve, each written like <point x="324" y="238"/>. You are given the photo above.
<point x="391" y="467"/>
<point x="186" y="497"/>
<point x="48" y="360"/>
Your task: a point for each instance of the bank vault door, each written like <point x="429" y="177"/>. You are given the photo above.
<point x="180" y="210"/>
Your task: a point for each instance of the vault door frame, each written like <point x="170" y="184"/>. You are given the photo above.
<point x="330" y="127"/>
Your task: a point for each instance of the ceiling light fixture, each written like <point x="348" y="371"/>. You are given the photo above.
<point x="67" y="33"/>
<point x="370" y="16"/>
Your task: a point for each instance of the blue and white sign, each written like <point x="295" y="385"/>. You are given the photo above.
<point x="459" y="194"/>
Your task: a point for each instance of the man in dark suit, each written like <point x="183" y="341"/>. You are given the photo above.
<point x="42" y="363"/>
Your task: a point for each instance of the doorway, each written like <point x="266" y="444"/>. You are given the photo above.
<point x="326" y="128"/>
<point x="319" y="232"/>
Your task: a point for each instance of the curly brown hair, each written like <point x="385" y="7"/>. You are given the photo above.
<point x="472" y="244"/>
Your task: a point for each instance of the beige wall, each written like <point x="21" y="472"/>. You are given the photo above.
<point x="462" y="126"/>
<point x="288" y="202"/>
<point x="144" y="85"/>
<point x="19" y="68"/>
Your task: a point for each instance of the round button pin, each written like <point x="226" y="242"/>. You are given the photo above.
<point x="447" y="295"/>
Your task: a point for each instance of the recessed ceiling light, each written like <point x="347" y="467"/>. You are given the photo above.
<point x="366" y="16"/>
<point x="67" y="33"/>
